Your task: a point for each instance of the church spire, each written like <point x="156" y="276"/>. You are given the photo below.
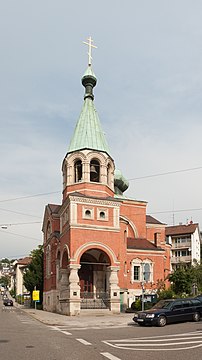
<point x="88" y="133"/>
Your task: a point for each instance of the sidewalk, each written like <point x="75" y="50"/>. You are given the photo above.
<point x="86" y="319"/>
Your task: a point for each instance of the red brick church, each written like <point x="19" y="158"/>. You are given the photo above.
<point x="101" y="250"/>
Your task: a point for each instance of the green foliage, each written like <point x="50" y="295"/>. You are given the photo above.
<point x="5" y="280"/>
<point x="165" y="294"/>
<point x="33" y="276"/>
<point x="183" y="279"/>
<point x="12" y="293"/>
<point x="136" y="305"/>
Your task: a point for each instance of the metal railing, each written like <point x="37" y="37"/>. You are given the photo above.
<point x="180" y="259"/>
<point x="90" y="300"/>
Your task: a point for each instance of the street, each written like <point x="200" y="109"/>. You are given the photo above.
<point x="23" y="337"/>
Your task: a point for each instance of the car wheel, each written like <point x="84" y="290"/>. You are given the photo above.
<point x="196" y="317"/>
<point x="162" y="321"/>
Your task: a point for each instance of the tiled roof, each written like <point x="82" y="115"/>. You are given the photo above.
<point x="181" y="229"/>
<point x="151" y="220"/>
<point x="141" y="244"/>
<point x="24" y="261"/>
<point x="54" y="208"/>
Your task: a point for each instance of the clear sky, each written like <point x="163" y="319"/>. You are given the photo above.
<point x="148" y="97"/>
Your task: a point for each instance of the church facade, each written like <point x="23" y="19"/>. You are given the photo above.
<point x="101" y="249"/>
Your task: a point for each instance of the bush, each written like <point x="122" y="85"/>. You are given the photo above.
<point x="166" y="294"/>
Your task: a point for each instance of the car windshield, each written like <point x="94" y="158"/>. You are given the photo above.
<point x="163" y="304"/>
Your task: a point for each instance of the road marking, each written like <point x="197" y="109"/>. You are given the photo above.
<point x="65" y="332"/>
<point x="55" y="328"/>
<point x="84" y="342"/>
<point x="110" y="356"/>
<point x="158" y="343"/>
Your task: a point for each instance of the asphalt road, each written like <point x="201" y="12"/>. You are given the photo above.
<point x="23" y="337"/>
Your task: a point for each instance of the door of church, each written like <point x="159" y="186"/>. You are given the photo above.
<point x="86" y="280"/>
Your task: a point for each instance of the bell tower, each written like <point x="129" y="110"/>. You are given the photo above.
<point x="88" y="167"/>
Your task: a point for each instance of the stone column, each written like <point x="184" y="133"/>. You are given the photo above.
<point x="73" y="290"/>
<point x="114" y="290"/>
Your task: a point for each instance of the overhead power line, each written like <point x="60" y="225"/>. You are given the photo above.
<point x="24" y="236"/>
<point x="131" y="179"/>
<point x="24" y="223"/>
<point x="165" y="173"/>
<point x="175" y="211"/>
<point x="19" y="213"/>
<point x="30" y="196"/>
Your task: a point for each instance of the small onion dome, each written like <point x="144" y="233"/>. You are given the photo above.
<point x="89" y="81"/>
<point x="121" y="184"/>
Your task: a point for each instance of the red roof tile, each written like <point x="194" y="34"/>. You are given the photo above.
<point x="141" y="244"/>
<point x="151" y="220"/>
<point x="25" y="261"/>
<point x="181" y="229"/>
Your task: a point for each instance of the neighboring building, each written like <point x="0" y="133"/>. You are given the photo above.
<point x="19" y="266"/>
<point x="100" y="248"/>
<point x="185" y="241"/>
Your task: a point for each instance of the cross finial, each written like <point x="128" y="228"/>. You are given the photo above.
<point x="90" y="46"/>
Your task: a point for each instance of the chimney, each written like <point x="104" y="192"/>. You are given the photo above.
<point x="157" y="239"/>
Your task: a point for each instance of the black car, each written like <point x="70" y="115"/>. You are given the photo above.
<point x="8" y="302"/>
<point x="199" y="297"/>
<point x="170" y="311"/>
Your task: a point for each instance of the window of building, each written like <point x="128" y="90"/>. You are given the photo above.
<point x="78" y="171"/>
<point x="102" y="214"/>
<point x="88" y="213"/>
<point x="48" y="260"/>
<point x="94" y="171"/>
<point x="136" y="275"/>
<point x="142" y="270"/>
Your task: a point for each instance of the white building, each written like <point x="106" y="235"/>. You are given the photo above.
<point x="185" y="241"/>
<point x="19" y="268"/>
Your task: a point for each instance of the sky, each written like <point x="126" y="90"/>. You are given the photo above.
<point x="148" y="63"/>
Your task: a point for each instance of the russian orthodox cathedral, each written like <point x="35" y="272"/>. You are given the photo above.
<point x="101" y="250"/>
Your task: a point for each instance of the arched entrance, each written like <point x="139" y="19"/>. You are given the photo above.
<point x="93" y="278"/>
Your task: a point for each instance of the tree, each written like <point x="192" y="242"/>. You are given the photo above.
<point x="5" y="280"/>
<point x="33" y="276"/>
<point x="182" y="280"/>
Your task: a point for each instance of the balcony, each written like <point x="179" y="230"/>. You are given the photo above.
<point x="180" y="259"/>
<point x="185" y="245"/>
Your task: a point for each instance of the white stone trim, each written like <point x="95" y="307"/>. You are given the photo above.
<point x="91" y="245"/>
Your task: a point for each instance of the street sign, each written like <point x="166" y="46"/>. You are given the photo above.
<point x="35" y="295"/>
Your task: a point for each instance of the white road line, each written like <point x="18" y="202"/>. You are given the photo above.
<point x="166" y="342"/>
<point x="65" y="332"/>
<point x="152" y="341"/>
<point x="110" y="356"/>
<point x="84" y="342"/>
<point x="55" y="328"/>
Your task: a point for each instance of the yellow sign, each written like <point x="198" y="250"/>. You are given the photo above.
<point x="35" y="295"/>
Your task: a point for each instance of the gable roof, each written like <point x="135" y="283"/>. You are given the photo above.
<point x="181" y="229"/>
<point x="25" y="261"/>
<point x="151" y="220"/>
<point x="141" y="244"/>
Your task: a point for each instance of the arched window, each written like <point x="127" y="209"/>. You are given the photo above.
<point x="94" y="171"/>
<point x="48" y="260"/>
<point x="64" y="176"/>
<point x="48" y="231"/>
<point x="78" y="171"/>
<point x="109" y="174"/>
<point x="142" y="270"/>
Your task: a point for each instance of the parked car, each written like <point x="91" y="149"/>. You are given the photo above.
<point x="8" y="302"/>
<point x="199" y="297"/>
<point x="170" y="311"/>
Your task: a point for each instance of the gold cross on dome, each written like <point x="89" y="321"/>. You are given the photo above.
<point x="90" y="46"/>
